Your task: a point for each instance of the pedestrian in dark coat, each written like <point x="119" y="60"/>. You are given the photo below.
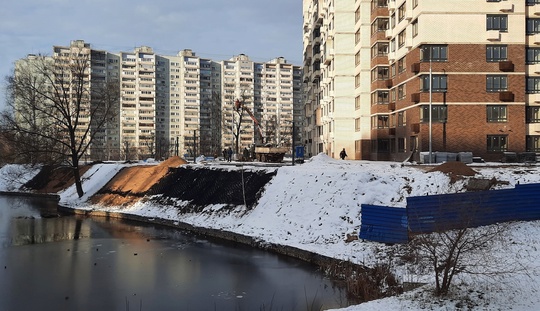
<point x="343" y="154"/>
<point x="229" y="153"/>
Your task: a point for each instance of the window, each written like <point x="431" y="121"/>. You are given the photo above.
<point x="496" y="83"/>
<point x="533" y="56"/>
<point x="379" y="122"/>
<point x="401" y="118"/>
<point x="401" y="12"/>
<point x="379" y="4"/>
<point x="401" y="65"/>
<point x="533" y="2"/>
<point x="380" y="145"/>
<point x="380" y="24"/>
<point x="357" y="125"/>
<point x="496" y="113"/>
<point x="497" y="22"/>
<point x="401" y="91"/>
<point x="393" y="70"/>
<point x="414" y="26"/>
<point x="357" y="80"/>
<point x="379" y="73"/>
<point x="533" y="85"/>
<point x="380" y="97"/>
<point x="438" y="83"/>
<point x="533" y="25"/>
<point x="414" y="3"/>
<point x="357" y="103"/>
<point x="438" y="113"/>
<point x="401" y="144"/>
<point x="436" y="53"/>
<point x="401" y="38"/>
<point x="379" y="49"/>
<point x="533" y="114"/>
<point x="358" y="57"/>
<point x="497" y="143"/>
<point x="496" y="53"/>
<point x="533" y="143"/>
<point x="393" y="20"/>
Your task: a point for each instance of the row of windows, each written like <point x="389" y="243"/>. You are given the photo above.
<point x="494" y="143"/>
<point x="439" y="113"/>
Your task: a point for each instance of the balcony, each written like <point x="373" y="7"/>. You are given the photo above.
<point x="391" y="5"/>
<point x="506" y="96"/>
<point x="493" y="35"/>
<point x="535" y="39"/>
<point x="506" y="6"/>
<point x="415" y="97"/>
<point x="389" y="83"/>
<point x="392" y="106"/>
<point x="392" y="131"/>
<point x="506" y="66"/>
<point x="535" y="68"/>
<point x="415" y="128"/>
<point x="388" y="33"/>
<point x="415" y="67"/>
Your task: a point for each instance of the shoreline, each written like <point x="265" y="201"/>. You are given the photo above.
<point x="293" y="252"/>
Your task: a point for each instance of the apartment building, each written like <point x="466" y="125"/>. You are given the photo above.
<point x="443" y="77"/>
<point x="189" y="105"/>
<point x="272" y="92"/>
<point x="184" y="104"/>
<point x="330" y="79"/>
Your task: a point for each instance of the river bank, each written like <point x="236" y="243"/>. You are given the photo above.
<point x="314" y="207"/>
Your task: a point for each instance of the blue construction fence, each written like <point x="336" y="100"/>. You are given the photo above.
<point x="434" y="213"/>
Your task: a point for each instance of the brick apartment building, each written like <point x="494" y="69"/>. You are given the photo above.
<point x="481" y="57"/>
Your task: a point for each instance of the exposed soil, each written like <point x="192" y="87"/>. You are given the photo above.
<point x="455" y="169"/>
<point x="53" y="179"/>
<point x="132" y="183"/>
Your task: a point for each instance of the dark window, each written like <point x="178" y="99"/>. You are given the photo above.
<point x="379" y="122"/>
<point x="496" y="83"/>
<point x="533" y="55"/>
<point x="533" y="114"/>
<point x="533" y="25"/>
<point x="533" y="85"/>
<point x="380" y="97"/>
<point x="496" y="53"/>
<point x="533" y="2"/>
<point x="436" y="53"/>
<point x="533" y="143"/>
<point x="496" y="113"/>
<point x="401" y="144"/>
<point x="438" y="113"/>
<point x="439" y="83"/>
<point x="401" y="118"/>
<point x="497" y="22"/>
<point x="380" y="73"/>
<point x="497" y="143"/>
<point x="380" y="145"/>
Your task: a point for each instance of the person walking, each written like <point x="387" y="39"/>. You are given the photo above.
<point x="229" y="154"/>
<point x="343" y="154"/>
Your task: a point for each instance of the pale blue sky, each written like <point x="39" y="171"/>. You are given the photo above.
<point x="217" y="29"/>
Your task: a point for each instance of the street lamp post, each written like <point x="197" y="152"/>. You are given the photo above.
<point x="430" y="109"/>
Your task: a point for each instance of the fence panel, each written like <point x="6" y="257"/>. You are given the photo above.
<point x="384" y="224"/>
<point x="472" y="209"/>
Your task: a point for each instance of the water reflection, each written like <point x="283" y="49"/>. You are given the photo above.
<point x="77" y="263"/>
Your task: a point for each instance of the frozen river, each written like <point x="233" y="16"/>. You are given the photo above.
<point x="51" y="262"/>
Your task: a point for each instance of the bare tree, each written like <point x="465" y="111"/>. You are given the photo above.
<point x="55" y="110"/>
<point x="459" y="246"/>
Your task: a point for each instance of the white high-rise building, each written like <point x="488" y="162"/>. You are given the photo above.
<point x="185" y="105"/>
<point x="268" y="91"/>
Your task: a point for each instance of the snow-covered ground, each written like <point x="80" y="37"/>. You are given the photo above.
<point x="315" y="205"/>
